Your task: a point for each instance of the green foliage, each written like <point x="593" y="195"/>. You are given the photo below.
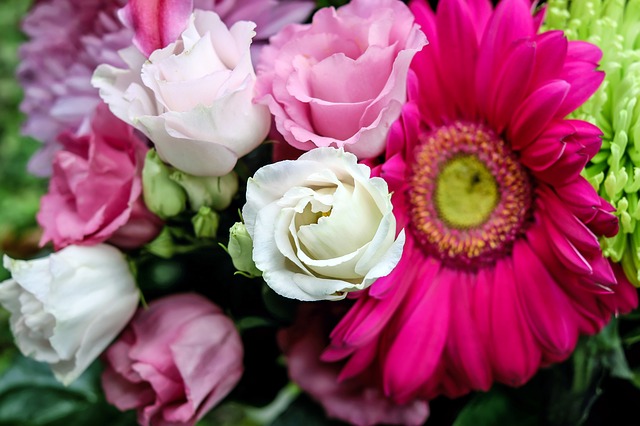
<point x="19" y="192"/>
<point x="31" y="396"/>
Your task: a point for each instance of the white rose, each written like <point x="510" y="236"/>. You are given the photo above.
<point x="66" y="308"/>
<point x="321" y="227"/>
<point x="193" y="98"/>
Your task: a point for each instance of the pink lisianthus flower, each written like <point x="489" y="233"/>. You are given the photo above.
<point x="68" y="40"/>
<point x="356" y="401"/>
<point x="174" y="362"/>
<point x="95" y="192"/>
<point x="502" y="269"/>
<point x="341" y="80"/>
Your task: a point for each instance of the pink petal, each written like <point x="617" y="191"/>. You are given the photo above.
<point x="156" y="23"/>
<point x="535" y="112"/>
<point x="551" y="51"/>
<point x="509" y="87"/>
<point x="545" y="305"/>
<point x="433" y="101"/>
<point x="515" y="354"/>
<point x="458" y="44"/>
<point x="465" y="347"/>
<point x="418" y="345"/>
<point x="510" y="23"/>
<point x="481" y="11"/>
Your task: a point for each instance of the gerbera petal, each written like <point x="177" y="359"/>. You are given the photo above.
<point x="580" y="71"/>
<point x="456" y="31"/>
<point x="481" y="12"/>
<point x="359" y="361"/>
<point x="563" y="219"/>
<point x="417" y="348"/>
<point x="510" y="23"/>
<point x="511" y="84"/>
<point x="435" y="105"/>
<point x="551" y="51"/>
<point x="536" y="112"/>
<point x="545" y="305"/>
<point x="515" y="354"/>
<point x="465" y="346"/>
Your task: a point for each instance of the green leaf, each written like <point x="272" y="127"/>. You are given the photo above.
<point x="31" y="396"/>
<point x="497" y="407"/>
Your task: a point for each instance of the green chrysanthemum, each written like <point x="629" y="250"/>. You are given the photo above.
<point x="613" y="25"/>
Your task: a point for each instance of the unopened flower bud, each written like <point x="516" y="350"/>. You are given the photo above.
<point x="162" y="195"/>
<point x="210" y="191"/>
<point x="240" y="249"/>
<point x="205" y="223"/>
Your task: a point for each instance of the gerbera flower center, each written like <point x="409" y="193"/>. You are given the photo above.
<point x="469" y="195"/>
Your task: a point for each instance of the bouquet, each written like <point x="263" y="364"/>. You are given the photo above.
<point x="270" y="212"/>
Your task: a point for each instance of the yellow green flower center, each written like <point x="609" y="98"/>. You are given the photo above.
<point x="469" y="195"/>
<point x="466" y="192"/>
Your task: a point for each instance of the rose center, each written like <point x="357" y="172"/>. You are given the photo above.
<point x="470" y="198"/>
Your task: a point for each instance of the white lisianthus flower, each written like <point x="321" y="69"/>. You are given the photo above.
<point x="193" y="98"/>
<point x="321" y="226"/>
<point x="66" y="308"/>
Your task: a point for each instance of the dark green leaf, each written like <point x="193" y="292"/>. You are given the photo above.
<point x="497" y="407"/>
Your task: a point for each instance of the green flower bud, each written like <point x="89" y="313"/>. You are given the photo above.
<point x="163" y="245"/>
<point x="205" y="223"/>
<point x="240" y="249"/>
<point x="161" y="194"/>
<point x="210" y="191"/>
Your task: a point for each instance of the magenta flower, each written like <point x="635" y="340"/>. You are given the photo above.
<point x="68" y="39"/>
<point x="502" y="269"/>
<point x="355" y="401"/>
<point x="174" y="362"/>
<point x="95" y="192"/>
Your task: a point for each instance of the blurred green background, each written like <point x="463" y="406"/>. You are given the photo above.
<point x="19" y="191"/>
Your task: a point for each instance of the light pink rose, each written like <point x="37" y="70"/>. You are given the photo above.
<point x="192" y="98"/>
<point x="95" y="190"/>
<point x="341" y="80"/>
<point x="174" y="362"/>
<point x="350" y="400"/>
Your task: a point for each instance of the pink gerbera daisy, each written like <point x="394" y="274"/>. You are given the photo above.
<point x="502" y="269"/>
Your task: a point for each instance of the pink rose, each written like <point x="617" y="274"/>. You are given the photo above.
<point x="350" y="400"/>
<point x="174" y="362"/>
<point x="341" y="80"/>
<point x="95" y="190"/>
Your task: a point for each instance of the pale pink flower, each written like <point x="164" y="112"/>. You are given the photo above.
<point x="174" y="362"/>
<point x="341" y="80"/>
<point x="193" y="98"/>
<point x="95" y="192"/>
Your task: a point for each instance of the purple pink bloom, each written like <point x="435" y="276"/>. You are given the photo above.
<point x="174" y="362"/>
<point x="358" y="400"/>
<point x="68" y="40"/>
<point x="95" y="191"/>
<point x="502" y="268"/>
